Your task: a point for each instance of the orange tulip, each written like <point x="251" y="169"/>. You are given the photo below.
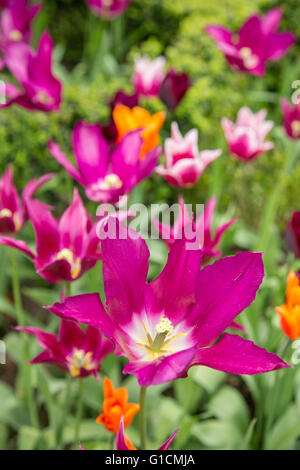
<point x="129" y="119"/>
<point x="115" y="405"/>
<point x="290" y="311"/>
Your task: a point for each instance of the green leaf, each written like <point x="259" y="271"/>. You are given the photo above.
<point x="228" y="404"/>
<point x="285" y="431"/>
<point x="209" y="379"/>
<point x="28" y="438"/>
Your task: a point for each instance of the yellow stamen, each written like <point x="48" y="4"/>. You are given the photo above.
<point x="80" y="360"/>
<point x="15" y="35"/>
<point x="295" y="125"/>
<point x="5" y="213"/>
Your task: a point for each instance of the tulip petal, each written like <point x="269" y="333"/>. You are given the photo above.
<point x="224" y="290"/>
<point x="125" y="268"/>
<point x="46" y="230"/>
<point x="169" y="441"/>
<point x="57" y="153"/>
<point x="173" y="292"/>
<point x="91" y="151"/>
<point x="237" y="355"/>
<point x="162" y="370"/>
<point x="18" y="244"/>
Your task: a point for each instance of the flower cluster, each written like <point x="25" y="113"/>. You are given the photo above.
<point x="180" y="319"/>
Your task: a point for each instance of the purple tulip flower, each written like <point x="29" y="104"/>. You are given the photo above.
<point x="75" y="351"/>
<point x="176" y="321"/>
<point x="291" y="118"/>
<point x="256" y="43"/>
<point x="106" y="177"/>
<point x="13" y="209"/>
<point x="173" y="88"/>
<point x="202" y="226"/>
<point x="65" y="249"/>
<point x="293" y="234"/>
<point x="108" y="9"/>
<point x="41" y="90"/>
<point x="15" y="22"/>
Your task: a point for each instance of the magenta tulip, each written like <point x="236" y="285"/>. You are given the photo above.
<point x="106" y="177"/>
<point x="75" y="351"/>
<point x="15" y="22"/>
<point x="256" y="43"/>
<point x="291" y="118"/>
<point x="175" y="322"/>
<point x="33" y="70"/>
<point x="13" y="209"/>
<point x="108" y="9"/>
<point x="202" y="226"/>
<point x="65" y="249"/>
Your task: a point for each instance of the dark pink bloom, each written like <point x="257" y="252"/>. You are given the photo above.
<point x="246" y="137"/>
<point x="108" y="9"/>
<point x="167" y="326"/>
<point x="33" y="70"/>
<point x="255" y="44"/>
<point x="291" y="118"/>
<point x="202" y="226"/>
<point x="184" y="164"/>
<point x="293" y="234"/>
<point x="106" y="176"/>
<point x="15" y="22"/>
<point x="148" y="75"/>
<point x="75" y="351"/>
<point x="13" y="209"/>
<point x="121" y="441"/>
<point x="173" y="88"/>
<point x="65" y="249"/>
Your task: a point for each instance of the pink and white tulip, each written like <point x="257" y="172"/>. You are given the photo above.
<point x="148" y="75"/>
<point x="184" y="164"/>
<point x="246" y="137"/>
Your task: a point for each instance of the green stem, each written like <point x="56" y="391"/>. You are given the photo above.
<point x="79" y="412"/>
<point x="68" y="289"/>
<point x="59" y="435"/>
<point x="25" y="369"/>
<point x="142" y="417"/>
<point x="16" y="288"/>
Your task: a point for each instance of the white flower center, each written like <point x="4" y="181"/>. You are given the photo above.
<point x="250" y="60"/>
<point x="15" y="35"/>
<point x="158" y="345"/>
